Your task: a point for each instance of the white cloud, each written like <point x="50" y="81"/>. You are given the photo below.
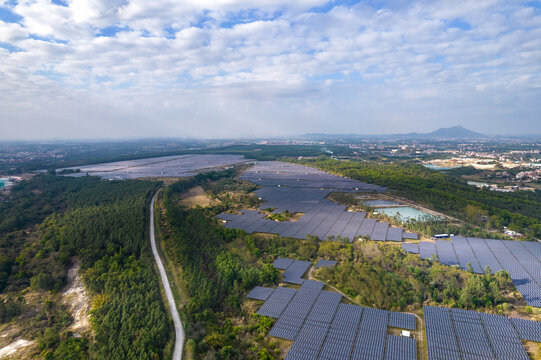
<point x="10" y="32"/>
<point x="197" y="66"/>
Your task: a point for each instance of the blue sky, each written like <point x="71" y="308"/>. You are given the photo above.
<point x="221" y="68"/>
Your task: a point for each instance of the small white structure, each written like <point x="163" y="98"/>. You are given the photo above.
<point x="406" y="333"/>
<point x="441" y="236"/>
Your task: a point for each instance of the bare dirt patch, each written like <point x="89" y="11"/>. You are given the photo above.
<point x="196" y="197"/>
<point x="533" y="349"/>
<point x="14" y="350"/>
<point x="296" y="216"/>
<point x="77" y="300"/>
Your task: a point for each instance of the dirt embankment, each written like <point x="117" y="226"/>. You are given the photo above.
<point x="76" y="298"/>
<point x="13" y="350"/>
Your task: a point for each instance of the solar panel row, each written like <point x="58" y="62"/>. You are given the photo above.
<point x="484" y="255"/>
<point x="394" y="234"/>
<point x="326" y="224"/>
<point x="300" y="189"/>
<point x="371" y="336"/>
<point x="323" y="328"/>
<point x="309" y="342"/>
<point x="260" y="293"/>
<point x="400" y="348"/>
<point x="292" y="319"/>
<point x="519" y="258"/>
<point x="411" y="248"/>
<point x="503" y="337"/>
<point x="440" y="337"/>
<point x="295" y="271"/>
<point x="446" y="253"/>
<point x="277" y="302"/>
<point x="465" y="254"/>
<point x="411" y="236"/>
<point x="342" y="333"/>
<point x="402" y="320"/>
<point x="360" y="333"/>
<point x="528" y="329"/>
<point x="380" y="231"/>
<point x="325" y="307"/>
<point x="471" y="336"/>
<point x="458" y="333"/>
<point x="275" y="172"/>
<point x="427" y="250"/>
<point x="527" y="283"/>
<point x="169" y="166"/>
<point x="282" y="263"/>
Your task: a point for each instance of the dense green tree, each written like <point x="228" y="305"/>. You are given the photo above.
<point x="104" y="224"/>
<point x="519" y="211"/>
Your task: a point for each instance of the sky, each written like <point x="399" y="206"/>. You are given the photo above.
<point x="227" y="68"/>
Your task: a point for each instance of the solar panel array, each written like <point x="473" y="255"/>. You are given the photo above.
<point x="321" y="327"/>
<point x="503" y="337"/>
<point x="528" y="329"/>
<point x="400" y="348"/>
<point x="342" y="333"/>
<point x="325" y="263"/>
<point x="446" y="253"/>
<point x="294" y="271"/>
<point x="260" y="293"/>
<point x="411" y="248"/>
<point x="291" y="320"/>
<point x="411" y="236"/>
<point x="309" y="342"/>
<point x="325" y="307"/>
<point x="464" y="334"/>
<point x="282" y="263"/>
<point x="471" y="336"/>
<point x="277" y="302"/>
<point x="300" y="189"/>
<point x="274" y="173"/>
<point x="427" y="250"/>
<point x="394" y="234"/>
<point x="371" y="336"/>
<point x="402" y="320"/>
<point x="521" y="259"/>
<point x="440" y="334"/>
<point x="166" y="166"/>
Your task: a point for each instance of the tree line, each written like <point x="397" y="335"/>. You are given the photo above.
<point x="520" y="211"/>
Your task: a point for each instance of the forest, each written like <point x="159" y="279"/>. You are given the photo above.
<point x="215" y="279"/>
<point x="220" y="265"/>
<point x="520" y="211"/>
<point x="53" y="220"/>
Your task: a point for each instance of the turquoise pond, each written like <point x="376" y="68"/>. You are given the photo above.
<point x="375" y="203"/>
<point x="406" y="213"/>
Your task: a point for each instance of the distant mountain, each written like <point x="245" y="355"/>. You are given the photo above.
<point x="455" y="132"/>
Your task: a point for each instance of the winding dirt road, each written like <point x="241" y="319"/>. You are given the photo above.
<point x="179" y="330"/>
